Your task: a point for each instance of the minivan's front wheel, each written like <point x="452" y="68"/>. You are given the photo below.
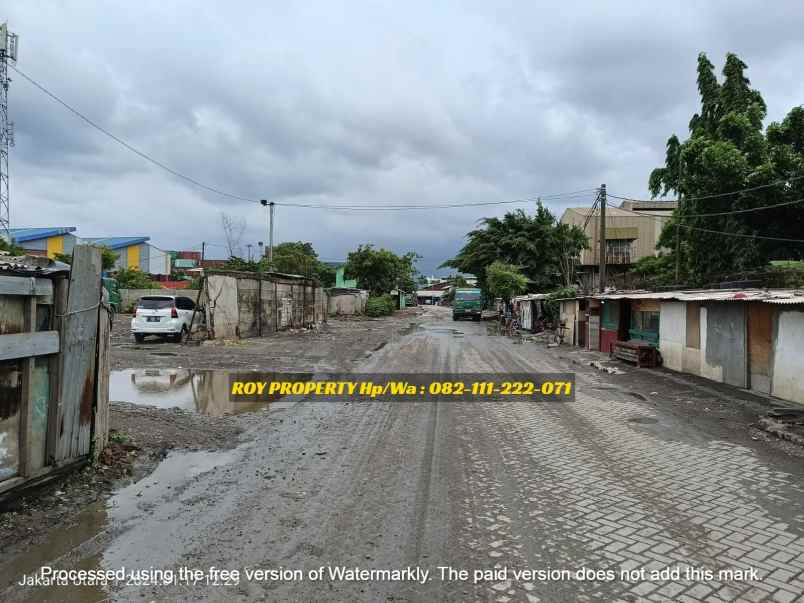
<point x="139" y="337"/>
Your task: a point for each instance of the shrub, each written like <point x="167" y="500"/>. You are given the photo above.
<point x="551" y="306"/>
<point x="380" y="305"/>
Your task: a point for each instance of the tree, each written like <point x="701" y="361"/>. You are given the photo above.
<point x="301" y="258"/>
<point x="108" y="257"/>
<point x="727" y="150"/>
<point x="233" y="229"/>
<point x="381" y="270"/>
<point x="11" y="248"/>
<point x="505" y="280"/>
<point x="545" y="250"/>
<point x="134" y="278"/>
<point x="290" y="258"/>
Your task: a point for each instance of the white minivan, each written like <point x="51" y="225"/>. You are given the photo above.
<point x="168" y="316"/>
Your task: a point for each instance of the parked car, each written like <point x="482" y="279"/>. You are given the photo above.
<point x="168" y="316"/>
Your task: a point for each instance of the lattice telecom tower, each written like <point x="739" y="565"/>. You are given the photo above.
<point x="8" y="52"/>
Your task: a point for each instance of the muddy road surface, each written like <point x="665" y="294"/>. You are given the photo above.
<point x="641" y="472"/>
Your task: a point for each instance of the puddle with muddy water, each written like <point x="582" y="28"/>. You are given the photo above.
<point x="205" y="391"/>
<point x="100" y="532"/>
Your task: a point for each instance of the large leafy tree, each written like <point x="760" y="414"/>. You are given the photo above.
<point x="505" y="280"/>
<point x="728" y="150"/>
<point x="381" y="270"/>
<point x="300" y="258"/>
<point x="292" y="257"/>
<point x="544" y="250"/>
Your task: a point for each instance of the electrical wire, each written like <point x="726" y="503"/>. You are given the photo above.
<point x="726" y="213"/>
<point x="695" y="228"/>
<point x="128" y="146"/>
<point x="716" y="195"/>
<point x="217" y="191"/>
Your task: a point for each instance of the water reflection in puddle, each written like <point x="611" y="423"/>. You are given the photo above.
<point x="203" y="391"/>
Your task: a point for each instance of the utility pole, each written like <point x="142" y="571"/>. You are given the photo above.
<point x="249" y="251"/>
<point x="678" y="251"/>
<point x="270" y="205"/>
<point x="602" y="235"/>
<point x="8" y="52"/>
<point x="203" y="248"/>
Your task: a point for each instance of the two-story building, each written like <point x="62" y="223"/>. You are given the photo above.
<point x="632" y="231"/>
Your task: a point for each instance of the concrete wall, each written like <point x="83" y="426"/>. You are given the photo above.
<point x="130" y="296"/>
<point x="788" y="376"/>
<point x="341" y="303"/>
<point x="567" y="315"/>
<point x="241" y="306"/>
<point x="223" y="316"/>
<point x="672" y="334"/>
<point x="692" y="339"/>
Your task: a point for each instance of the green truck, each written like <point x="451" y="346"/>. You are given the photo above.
<point x="468" y="303"/>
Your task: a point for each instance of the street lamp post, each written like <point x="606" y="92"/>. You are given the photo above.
<point x="270" y="205"/>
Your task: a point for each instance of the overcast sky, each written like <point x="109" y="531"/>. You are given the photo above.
<point x="362" y="103"/>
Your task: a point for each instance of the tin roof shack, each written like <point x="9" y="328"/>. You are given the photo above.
<point x="251" y="304"/>
<point x="54" y="365"/>
<point x="530" y="308"/>
<point x="346" y="302"/>
<point x="743" y="337"/>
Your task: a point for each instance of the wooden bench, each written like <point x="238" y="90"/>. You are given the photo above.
<point x="637" y="351"/>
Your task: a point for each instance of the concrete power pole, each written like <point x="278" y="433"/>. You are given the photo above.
<point x="602" y="198"/>
<point x="270" y="206"/>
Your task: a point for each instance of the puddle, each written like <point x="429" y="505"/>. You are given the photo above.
<point x="85" y="544"/>
<point x="174" y="472"/>
<point x="204" y="391"/>
<point x="74" y="544"/>
<point x="643" y="420"/>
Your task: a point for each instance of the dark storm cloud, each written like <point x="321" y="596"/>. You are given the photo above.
<point x="363" y="104"/>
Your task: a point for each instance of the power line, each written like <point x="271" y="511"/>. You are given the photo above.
<point x="217" y="191"/>
<point x="716" y="195"/>
<point x="352" y="208"/>
<point x="724" y="213"/>
<point x="729" y="234"/>
<point x="128" y="146"/>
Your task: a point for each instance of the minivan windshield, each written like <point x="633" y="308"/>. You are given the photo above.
<point x="467" y="295"/>
<point x="155" y="303"/>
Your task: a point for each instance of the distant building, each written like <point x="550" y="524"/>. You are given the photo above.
<point x="135" y="252"/>
<point x="46" y="241"/>
<point x="341" y="282"/>
<point x="630" y="236"/>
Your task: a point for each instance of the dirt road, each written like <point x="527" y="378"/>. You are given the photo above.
<point x="641" y="472"/>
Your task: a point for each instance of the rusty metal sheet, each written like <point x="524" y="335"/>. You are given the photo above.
<point x="79" y="333"/>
